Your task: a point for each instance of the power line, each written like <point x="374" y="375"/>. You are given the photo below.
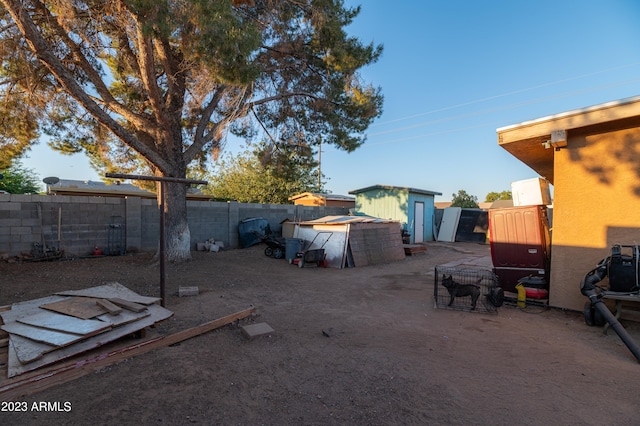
<point x="500" y="108"/>
<point x="504" y="94"/>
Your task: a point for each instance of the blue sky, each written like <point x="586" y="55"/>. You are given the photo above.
<point x="452" y="72"/>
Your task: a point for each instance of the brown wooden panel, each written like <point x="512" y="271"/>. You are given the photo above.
<point x="79" y="307"/>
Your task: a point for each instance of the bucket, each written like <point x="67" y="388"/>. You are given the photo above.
<point x="291" y="247"/>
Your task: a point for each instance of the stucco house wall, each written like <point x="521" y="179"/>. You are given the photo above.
<point x="595" y="171"/>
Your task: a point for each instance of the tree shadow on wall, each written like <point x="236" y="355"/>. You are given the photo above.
<point x="625" y="153"/>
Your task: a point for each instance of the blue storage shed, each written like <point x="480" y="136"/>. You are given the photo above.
<point x="412" y="207"/>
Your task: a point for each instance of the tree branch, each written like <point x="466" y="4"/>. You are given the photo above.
<point x="39" y="46"/>
<point x="147" y="72"/>
<point x="105" y="95"/>
<point x="281" y="96"/>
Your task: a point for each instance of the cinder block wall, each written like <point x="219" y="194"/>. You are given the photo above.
<point x="78" y="224"/>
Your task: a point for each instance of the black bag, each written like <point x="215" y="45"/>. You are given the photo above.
<point x="496" y="296"/>
<point x="623" y="270"/>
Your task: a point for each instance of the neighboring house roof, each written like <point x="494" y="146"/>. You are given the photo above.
<point x="532" y="141"/>
<point x="101" y="189"/>
<point x="498" y="204"/>
<point x="394" y="188"/>
<point x="442" y="204"/>
<point x="333" y="197"/>
<point x="342" y="220"/>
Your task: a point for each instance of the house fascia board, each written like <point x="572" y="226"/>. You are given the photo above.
<point x="597" y="114"/>
<point x="530" y="141"/>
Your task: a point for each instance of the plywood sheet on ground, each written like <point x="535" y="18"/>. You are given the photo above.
<point x="112" y="290"/>
<point x="30" y="307"/>
<point x="28" y="350"/>
<point x="156" y="314"/>
<point x="50" y="337"/>
<point x="68" y="324"/>
<point x="79" y="307"/>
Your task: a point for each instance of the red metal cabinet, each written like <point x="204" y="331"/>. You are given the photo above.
<point x="520" y="243"/>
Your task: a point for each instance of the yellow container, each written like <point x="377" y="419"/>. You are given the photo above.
<point x="522" y="295"/>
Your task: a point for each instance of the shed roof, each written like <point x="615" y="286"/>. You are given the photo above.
<point x="343" y="220"/>
<point x="396" y="188"/>
<point x="322" y="195"/>
<point x="526" y="141"/>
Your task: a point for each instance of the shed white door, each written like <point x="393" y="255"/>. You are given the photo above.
<point x="418" y="220"/>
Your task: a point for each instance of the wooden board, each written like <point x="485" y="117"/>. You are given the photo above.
<point x="64" y="323"/>
<point x="125" y="317"/>
<point x="110" y="307"/>
<point x="410" y="249"/>
<point x="50" y="337"/>
<point x="79" y="307"/>
<point x="112" y="290"/>
<point x="134" y="307"/>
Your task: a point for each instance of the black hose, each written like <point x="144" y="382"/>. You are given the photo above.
<point x="617" y="327"/>
<point x="588" y="288"/>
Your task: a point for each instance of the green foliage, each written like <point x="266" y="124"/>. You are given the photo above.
<point x="464" y="200"/>
<point x="283" y="67"/>
<point x="18" y="180"/>
<point x="264" y="173"/>
<point x="495" y="196"/>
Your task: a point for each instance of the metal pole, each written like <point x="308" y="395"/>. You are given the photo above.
<point x="162" y="250"/>
<point x="162" y="190"/>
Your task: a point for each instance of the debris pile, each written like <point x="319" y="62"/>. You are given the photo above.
<point x="47" y="330"/>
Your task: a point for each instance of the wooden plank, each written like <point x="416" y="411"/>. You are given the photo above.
<point x="71" y="371"/>
<point x="64" y="323"/>
<point x="50" y="337"/>
<point x="124" y="318"/>
<point x="410" y="249"/>
<point x="113" y="289"/>
<point x="79" y="307"/>
<point x="110" y="307"/>
<point x="134" y="307"/>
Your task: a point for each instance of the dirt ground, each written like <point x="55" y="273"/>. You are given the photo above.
<point x="387" y="356"/>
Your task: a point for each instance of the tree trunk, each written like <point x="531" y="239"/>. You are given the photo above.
<point x="177" y="234"/>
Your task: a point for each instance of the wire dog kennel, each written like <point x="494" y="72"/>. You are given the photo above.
<point x="476" y="290"/>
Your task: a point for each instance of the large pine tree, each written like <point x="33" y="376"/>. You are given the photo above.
<point x="154" y="86"/>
